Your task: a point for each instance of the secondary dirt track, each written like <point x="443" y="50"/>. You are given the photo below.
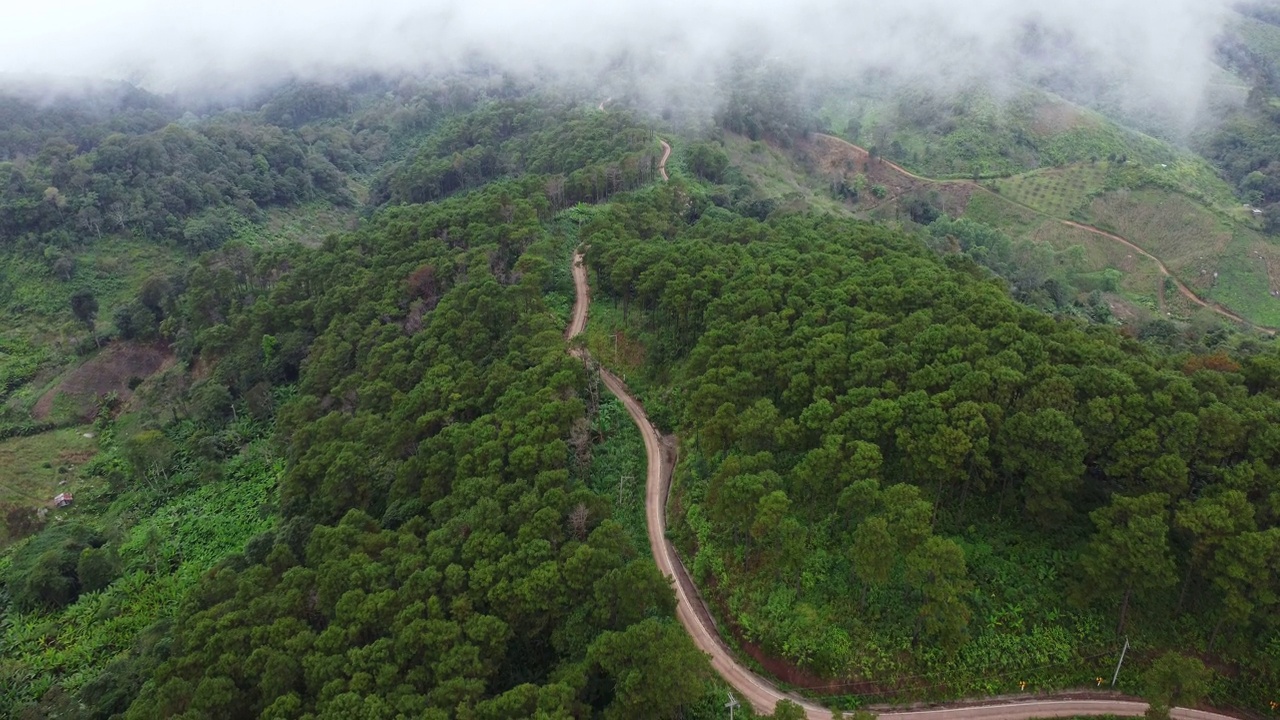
<point x="691" y="610"/>
<point x="666" y="149"/>
<point x="1182" y="288"/>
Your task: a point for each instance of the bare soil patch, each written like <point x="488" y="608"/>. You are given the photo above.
<point x="107" y="371"/>
<point x="1057" y="118"/>
<point x="833" y="157"/>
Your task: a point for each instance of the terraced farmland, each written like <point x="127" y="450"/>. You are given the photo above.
<point x="1056" y="191"/>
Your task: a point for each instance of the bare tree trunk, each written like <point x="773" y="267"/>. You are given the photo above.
<point x="1124" y="609"/>
<point x="1213" y="636"/>
<point x="964" y="497"/>
<point x="1004" y="490"/>
<point x="1186" y="583"/>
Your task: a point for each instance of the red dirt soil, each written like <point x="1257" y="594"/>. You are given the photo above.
<point x="107" y="371"/>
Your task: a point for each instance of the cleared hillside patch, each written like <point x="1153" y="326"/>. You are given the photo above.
<point x="778" y="177"/>
<point x="1186" y="236"/>
<point x="305" y="224"/>
<point x="1245" y="281"/>
<point x="117" y="368"/>
<point x="33" y="469"/>
<point x="1056" y="191"/>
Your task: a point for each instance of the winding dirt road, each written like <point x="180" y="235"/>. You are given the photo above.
<point x="691" y="610"/>
<point x="660" y="459"/>
<point x="1186" y="292"/>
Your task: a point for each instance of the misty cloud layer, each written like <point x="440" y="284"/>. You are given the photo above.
<point x="1163" y="46"/>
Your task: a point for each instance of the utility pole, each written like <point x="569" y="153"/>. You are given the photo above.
<point x="733" y="703"/>
<point x="1122" y="652"/>
<point x="623" y="482"/>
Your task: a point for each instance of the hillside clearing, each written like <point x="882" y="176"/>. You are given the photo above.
<point x="33" y="469"/>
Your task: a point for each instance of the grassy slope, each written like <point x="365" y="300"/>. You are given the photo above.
<point x="1023" y="206"/>
<point x="1261" y="37"/>
<point x="32" y="468"/>
<point x="37" y="306"/>
<point x="1183" y="214"/>
<point x="1220" y="259"/>
<point x="1140" y="278"/>
<point x="976" y="132"/>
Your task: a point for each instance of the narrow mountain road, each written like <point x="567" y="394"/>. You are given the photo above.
<point x="692" y="612"/>
<point x="660" y="459"/>
<point x="582" y="300"/>
<point x="1187" y="292"/>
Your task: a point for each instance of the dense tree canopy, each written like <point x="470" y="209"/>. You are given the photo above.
<point x="892" y="473"/>
<point x="438" y="550"/>
<point x="865" y="431"/>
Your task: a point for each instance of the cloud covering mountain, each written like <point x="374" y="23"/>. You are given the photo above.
<point x="1160" y="46"/>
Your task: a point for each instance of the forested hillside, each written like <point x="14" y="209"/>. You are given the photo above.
<point x="439" y="548"/>
<point x="360" y="475"/>
<point x="895" y="477"/>
<point x="365" y="487"/>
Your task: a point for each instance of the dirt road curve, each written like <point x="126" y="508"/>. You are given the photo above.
<point x="690" y="609"/>
<point x="692" y="612"/>
<point x="666" y="149"/>
<point x="1187" y="292"/>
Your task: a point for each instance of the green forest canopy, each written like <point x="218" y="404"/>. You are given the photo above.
<point x="893" y="473"/>
<point x="891" y="470"/>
